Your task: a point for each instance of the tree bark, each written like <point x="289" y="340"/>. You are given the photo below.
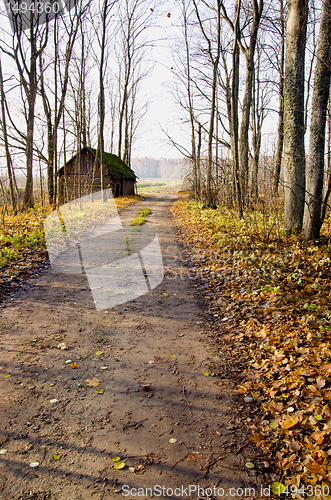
<point x="294" y="150"/>
<point x="328" y="188"/>
<point x="234" y="110"/>
<point x="247" y="101"/>
<point x="101" y="141"/>
<point x="280" y="139"/>
<point x="214" y="59"/>
<point x="257" y="122"/>
<point x="315" y="163"/>
<point x="190" y="102"/>
<point x="5" y="139"/>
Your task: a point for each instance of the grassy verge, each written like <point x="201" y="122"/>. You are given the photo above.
<point x="141" y="217"/>
<point x="21" y="235"/>
<point x="270" y="298"/>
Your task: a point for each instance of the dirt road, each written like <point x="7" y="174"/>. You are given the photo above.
<point x="151" y="403"/>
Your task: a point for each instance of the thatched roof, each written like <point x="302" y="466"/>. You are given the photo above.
<point x="116" y="166"/>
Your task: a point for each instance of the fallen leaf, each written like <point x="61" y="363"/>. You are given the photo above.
<point x="6" y="376"/>
<point x="313" y="420"/>
<point x="317" y="468"/>
<point x="57" y="457"/>
<point x="278" y="488"/>
<point x="206" y="374"/>
<point x="318" y="436"/>
<point x="273" y="425"/>
<point x="74" y="365"/>
<point x="172" y="356"/>
<point x="93" y="382"/>
<point x="276" y="406"/>
<point x="320" y="382"/>
<point x="327" y="368"/>
<point x="119" y="465"/>
<point x="53" y="401"/>
<point x="250" y="465"/>
<point x="34" y="464"/>
<point x="99" y="353"/>
<point x="132" y="469"/>
<point x="115" y="459"/>
<point x="295" y="446"/>
<point x="173" y="440"/>
<point x="3" y="451"/>
<point x="166" y="295"/>
<point x="289" y="421"/>
<point x="99" y="391"/>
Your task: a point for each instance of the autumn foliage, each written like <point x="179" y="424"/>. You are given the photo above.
<point x="22" y="242"/>
<point x="270" y="297"/>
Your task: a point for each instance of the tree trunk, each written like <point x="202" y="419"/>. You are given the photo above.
<point x="5" y="139"/>
<point x="190" y="102"/>
<point x="328" y="188"/>
<point x="28" y="195"/>
<point x="247" y="101"/>
<point x="234" y="110"/>
<point x="315" y="163"/>
<point x="214" y="57"/>
<point x="257" y="121"/>
<point x="280" y="140"/>
<point x="101" y="141"/>
<point x="294" y="150"/>
<point x="199" y="159"/>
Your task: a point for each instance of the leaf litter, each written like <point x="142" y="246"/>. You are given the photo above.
<point x="23" y="245"/>
<point x="93" y="382"/>
<point x="274" y="292"/>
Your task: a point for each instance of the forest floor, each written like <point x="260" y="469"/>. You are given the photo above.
<point x="140" y="403"/>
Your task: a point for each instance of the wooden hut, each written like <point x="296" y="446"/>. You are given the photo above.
<point x="119" y="177"/>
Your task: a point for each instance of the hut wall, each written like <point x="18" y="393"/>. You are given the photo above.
<point x="70" y="190"/>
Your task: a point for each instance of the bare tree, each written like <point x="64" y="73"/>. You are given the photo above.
<point x="71" y="30"/>
<point x="5" y="138"/>
<point x="196" y="166"/>
<point x="26" y="48"/>
<point x="214" y="53"/>
<point x="106" y="8"/>
<point x="249" y="53"/>
<point x="135" y="17"/>
<point x="260" y="102"/>
<point x="234" y="108"/>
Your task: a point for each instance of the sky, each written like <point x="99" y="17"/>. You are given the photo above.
<point x="163" y="112"/>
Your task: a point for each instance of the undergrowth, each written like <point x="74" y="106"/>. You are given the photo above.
<point x="22" y="238"/>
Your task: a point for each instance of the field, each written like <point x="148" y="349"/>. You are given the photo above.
<point x="158" y="185"/>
